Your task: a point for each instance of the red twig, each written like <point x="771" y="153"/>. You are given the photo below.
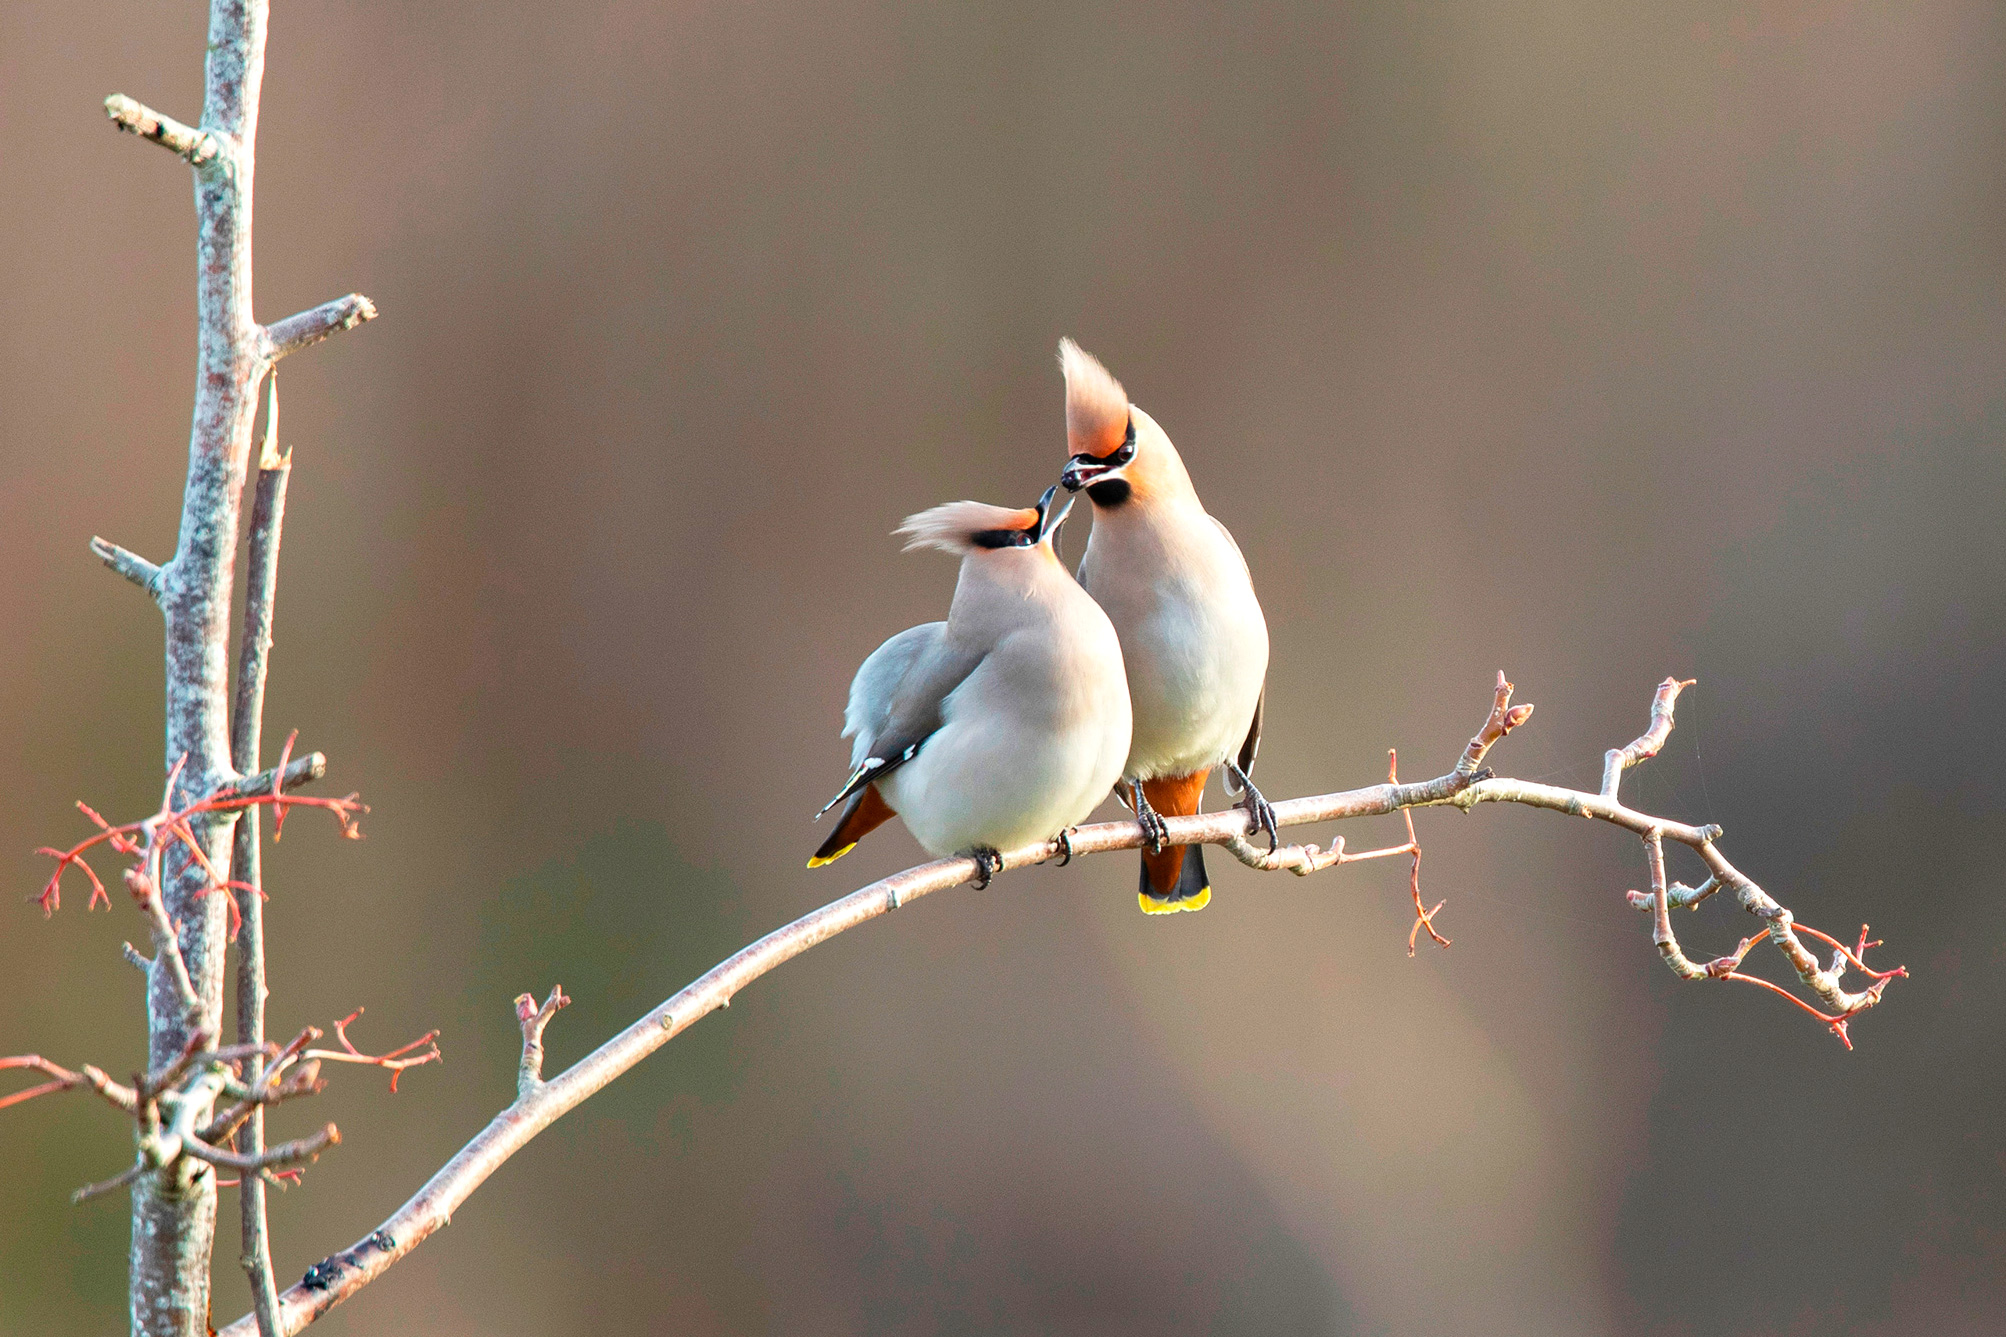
<point x="65" y="1079"/>
<point x="229" y="888"/>
<point x="1836" y="1024"/>
<point x="1502" y="722"/>
<point x="1853" y="954"/>
<point x="255" y="1074"/>
<point x="394" y="1060"/>
<point x="173" y="823"/>
<point x="278" y="784"/>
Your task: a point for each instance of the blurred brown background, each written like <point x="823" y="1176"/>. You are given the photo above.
<point x="1593" y="341"/>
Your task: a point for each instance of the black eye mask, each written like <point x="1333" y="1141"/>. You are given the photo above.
<point x="1004" y="538"/>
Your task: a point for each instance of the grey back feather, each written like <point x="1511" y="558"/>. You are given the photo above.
<point x="877" y="683"/>
<point x="896" y="698"/>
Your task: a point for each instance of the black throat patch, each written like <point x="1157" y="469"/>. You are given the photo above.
<point x="1109" y="492"/>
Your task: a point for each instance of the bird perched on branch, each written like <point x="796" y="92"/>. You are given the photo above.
<point x="1193" y="638"/>
<point x="1003" y="725"/>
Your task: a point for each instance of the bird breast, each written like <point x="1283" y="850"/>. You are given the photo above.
<point x="1193" y="639"/>
<point x="1029" y="743"/>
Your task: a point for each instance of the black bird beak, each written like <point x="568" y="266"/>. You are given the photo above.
<point x="1082" y="470"/>
<point x="1048" y="523"/>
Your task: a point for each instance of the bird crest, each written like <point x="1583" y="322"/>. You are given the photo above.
<point x="953" y="528"/>
<point x="1096" y="405"/>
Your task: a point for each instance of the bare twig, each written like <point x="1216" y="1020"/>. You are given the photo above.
<point x="143" y="881"/>
<point x="117" y="1181"/>
<point x="151" y="1085"/>
<point x="268" y="511"/>
<point x="170" y="1106"/>
<point x="129" y="564"/>
<point x="298" y="771"/>
<point x="541" y="1103"/>
<point x="1645" y="745"/>
<point x="197" y="146"/>
<point x="304" y="1080"/>
<point x="1824" y="983"/>
<point x="300" y="1149"/>
<point x="310" y="327"/>
<point x="1302" y="860"/>
<point x="1661" y="930"/>
<point x="529" y="1075"/>
<point x="1504" y="717"/>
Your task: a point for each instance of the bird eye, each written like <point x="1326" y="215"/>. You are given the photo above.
<point x="1126" y="452"/>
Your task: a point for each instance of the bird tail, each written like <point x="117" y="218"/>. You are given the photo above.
<point x="867" y="812"/>
<point x="1180" y="869"/>
<point x="1174" y="878"/>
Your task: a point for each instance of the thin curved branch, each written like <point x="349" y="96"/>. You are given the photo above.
<point x="117" y="1181"/>
<point x="393" y="1062"/>
<point x="285" y="1153"/>
<point x="1647" y="744"/>
<point x="539" y="1104"/>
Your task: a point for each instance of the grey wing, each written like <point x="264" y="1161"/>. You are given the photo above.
<point x="877" y="683"/>
<point x="895" y="702"/>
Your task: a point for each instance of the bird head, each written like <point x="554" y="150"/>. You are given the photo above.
<point x="965" y="527"/>
<point x="1100" y="428"/>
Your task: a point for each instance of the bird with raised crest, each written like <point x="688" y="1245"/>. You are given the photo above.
<point x="1193" y="637"/>
<point x="1001" y="726"/>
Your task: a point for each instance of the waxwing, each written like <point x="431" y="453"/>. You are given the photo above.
<point x="1193" y="638"/>
<point x="1003" y="725"/>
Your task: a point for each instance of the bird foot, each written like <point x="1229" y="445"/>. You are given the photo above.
<point x="1256" y="806"/>
<point x="988" y="863"/>
<point x="1153" y="828"/>
<point x="1064" y="840"/>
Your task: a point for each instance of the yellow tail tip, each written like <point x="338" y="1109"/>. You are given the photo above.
<point x="1151" y="906"/>
<point x="820" y="859"/>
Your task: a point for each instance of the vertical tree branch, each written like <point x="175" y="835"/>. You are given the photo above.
<point x="174" y="1218"/>
<point x="268" y="512"/>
